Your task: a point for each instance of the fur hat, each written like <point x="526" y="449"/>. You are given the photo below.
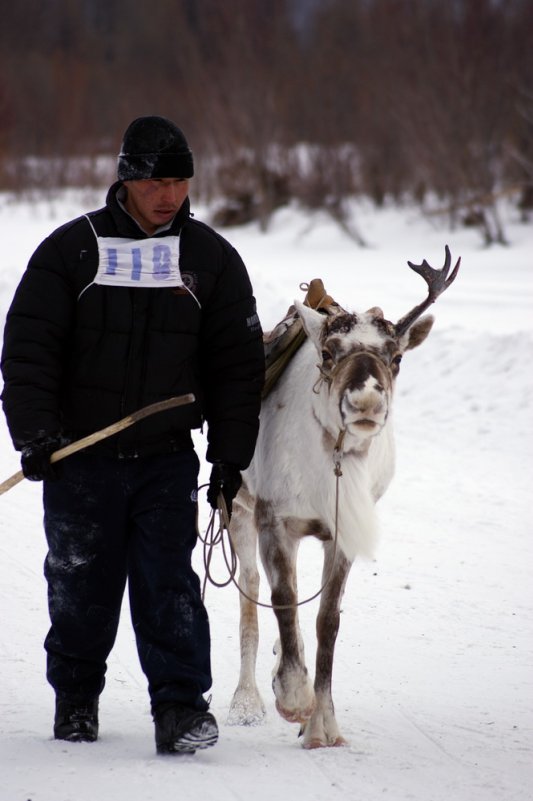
<point x="153" y="147"/>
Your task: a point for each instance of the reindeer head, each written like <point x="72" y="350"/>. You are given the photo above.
<point x="360" y="355"/>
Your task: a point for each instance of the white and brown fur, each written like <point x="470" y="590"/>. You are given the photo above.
<point x="341" y="379"/>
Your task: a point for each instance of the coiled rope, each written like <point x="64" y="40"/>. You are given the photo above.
<point x="219" y="535"/>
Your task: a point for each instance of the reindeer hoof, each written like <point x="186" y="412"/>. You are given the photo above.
<point x="339" y="742"/>
<point x="316" y="742"/>
<point x="239" y="717"/>
<point x="246" y="709"/>
<point x="295" y="715"/>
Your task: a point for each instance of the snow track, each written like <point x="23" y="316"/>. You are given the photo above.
<point x="433" y="672"/>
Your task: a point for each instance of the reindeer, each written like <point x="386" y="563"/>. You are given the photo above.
<point x="319" y="423"/>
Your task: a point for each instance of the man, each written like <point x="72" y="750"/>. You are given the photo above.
<point x="120" y="308"/>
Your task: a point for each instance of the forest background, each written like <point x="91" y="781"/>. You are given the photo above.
<point x="309" y="101"/>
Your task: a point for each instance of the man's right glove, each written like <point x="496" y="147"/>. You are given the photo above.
<point x="35" y="457"/>
<point x="225" y="478"/>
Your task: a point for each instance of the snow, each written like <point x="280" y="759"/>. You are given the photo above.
<point x="433" y="669"/>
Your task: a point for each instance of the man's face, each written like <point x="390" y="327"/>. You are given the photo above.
<point x="154" y="202"/>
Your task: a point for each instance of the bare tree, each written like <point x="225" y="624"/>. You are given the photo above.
<point x="391" y="99"/>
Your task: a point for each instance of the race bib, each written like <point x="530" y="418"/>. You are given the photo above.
<point x="153" y="262"/>
<point x="150" y="262"/>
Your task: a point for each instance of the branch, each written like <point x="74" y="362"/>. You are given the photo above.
<point x="104" y="433"/>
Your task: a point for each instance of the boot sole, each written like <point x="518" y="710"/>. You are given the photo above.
<point x="77" y="737"/>
<point x="205" y="736"/>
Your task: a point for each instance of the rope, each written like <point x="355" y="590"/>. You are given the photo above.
<point x="221" y="536"/>
<point x="215" y="536"/>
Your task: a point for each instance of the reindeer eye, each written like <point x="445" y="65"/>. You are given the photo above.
<point x="397" y="359"/>
<point x="326" y="356"/>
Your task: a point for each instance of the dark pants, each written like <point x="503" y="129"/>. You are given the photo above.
<point x="108" y="521"/>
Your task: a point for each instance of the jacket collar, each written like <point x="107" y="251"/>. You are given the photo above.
<point x="126" y="225"/>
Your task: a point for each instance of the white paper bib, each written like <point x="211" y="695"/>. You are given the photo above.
<point x="152" y="262"/>
<point x="138" y="262"/>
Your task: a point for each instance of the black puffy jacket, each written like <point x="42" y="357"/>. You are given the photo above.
<point x="78" y="356"/>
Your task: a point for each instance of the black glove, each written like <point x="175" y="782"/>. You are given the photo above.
<point x="35" y="457"/>
<point x="225" y="478"/>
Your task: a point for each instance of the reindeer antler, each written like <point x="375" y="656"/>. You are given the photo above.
<point x="437" y="281"/>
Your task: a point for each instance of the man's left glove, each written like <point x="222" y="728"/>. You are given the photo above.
<point x="225" y="478"/>
<point x="35" y="457"/>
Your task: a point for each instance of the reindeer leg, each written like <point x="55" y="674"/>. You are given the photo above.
<point x="322" y="729"/>
<point x="247" y="707"/>
<point x="295" y="698"/>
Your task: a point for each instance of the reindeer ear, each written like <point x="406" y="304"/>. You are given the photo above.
<point x="312" y="321"/>
<point x="418" y="332"/>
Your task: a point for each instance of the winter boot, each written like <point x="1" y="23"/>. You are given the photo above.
<point x="183" y="730"/>
<point x="76" y="721"/>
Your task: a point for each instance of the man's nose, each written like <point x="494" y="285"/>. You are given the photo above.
<point x="169" y="193"/>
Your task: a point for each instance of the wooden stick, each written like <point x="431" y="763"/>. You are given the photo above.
<point x="114" y="428"/>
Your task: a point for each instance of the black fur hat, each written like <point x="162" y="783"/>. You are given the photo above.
<point x="153" y="147"/>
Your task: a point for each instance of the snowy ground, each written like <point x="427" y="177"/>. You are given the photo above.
<point x="433" y="673"/>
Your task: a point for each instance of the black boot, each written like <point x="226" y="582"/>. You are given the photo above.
<point x="183" y="730"/>
<point x="76" y="721"/>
